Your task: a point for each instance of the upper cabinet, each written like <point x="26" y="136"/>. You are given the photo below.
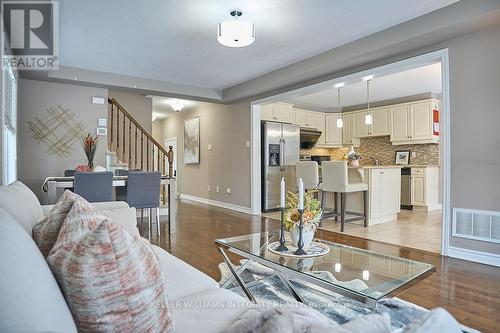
<point x="311" y="119"/>
<point x="333" y="133"/>
<point x="281" y="112"/>
<point x="348" y="130"/>
<point x="380" y="123"/>
<point x="415" y="123"/>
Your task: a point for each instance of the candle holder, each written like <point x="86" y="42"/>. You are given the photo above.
<point x="282" y="247"/>
<point x="300" y="244"/>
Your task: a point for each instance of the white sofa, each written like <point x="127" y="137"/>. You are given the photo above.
<point x="31" y="300"/>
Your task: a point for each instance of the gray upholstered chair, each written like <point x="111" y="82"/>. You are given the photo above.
<point x="121" y="172"/>
<point x="94" y="186"/>
<point x="143" y="191"/>
<point x="335" y="178"/>
<point x="69" y="173"/>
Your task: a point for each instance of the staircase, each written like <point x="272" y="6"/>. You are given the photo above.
<point x="132" y="146"/>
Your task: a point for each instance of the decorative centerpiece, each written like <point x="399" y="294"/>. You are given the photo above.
<point x="301" y="221"/>
<point x="89" y="148"/>
<point x="353" y="158"/>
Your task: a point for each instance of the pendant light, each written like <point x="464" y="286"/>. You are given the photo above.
<point x="368" y="117"/>
<point x="236" y="33"/>
<point x="340" y="121"/>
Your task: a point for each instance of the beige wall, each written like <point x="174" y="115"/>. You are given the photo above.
<point x="227" y="165"/>
<point x="139" y="106"/>
<point x="34" y="164"/>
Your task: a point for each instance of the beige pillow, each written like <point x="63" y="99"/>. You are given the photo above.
<point x="112" y="281"/>
<point x="46" y="231"/>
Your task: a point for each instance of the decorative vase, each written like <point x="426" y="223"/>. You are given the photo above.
<point x="307" y="234"/>
<point x="354" y="163"/>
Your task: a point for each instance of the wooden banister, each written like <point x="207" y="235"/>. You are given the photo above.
<point x="122" y="150"/>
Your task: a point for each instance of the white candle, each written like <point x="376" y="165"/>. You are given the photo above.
<point x="282" y="192"/>
<point x="301" y="194"/>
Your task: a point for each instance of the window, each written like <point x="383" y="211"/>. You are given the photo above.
<point x="9" y="140"/>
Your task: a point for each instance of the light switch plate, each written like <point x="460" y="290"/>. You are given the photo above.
<point x="101" y="131"/>
<point x="102" y="122"/>
<point x="247" y="144"/>
<point x="209" y="147"/>
<point x="413" y="154"/>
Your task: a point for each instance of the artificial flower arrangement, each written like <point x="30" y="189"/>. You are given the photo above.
<point x="312" y="211"/>
<point x="89" y="147"/>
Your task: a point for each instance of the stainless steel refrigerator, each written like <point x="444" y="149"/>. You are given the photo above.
<point x="280" y="153"/>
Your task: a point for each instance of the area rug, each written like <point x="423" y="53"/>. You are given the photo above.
<point x="266" y="287"/>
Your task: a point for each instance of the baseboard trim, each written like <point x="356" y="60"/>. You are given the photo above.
<point x="216" y="203"/>
<point x="475" y="256"/>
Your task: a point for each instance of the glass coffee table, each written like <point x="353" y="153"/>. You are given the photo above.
<point x="361" y="275"/>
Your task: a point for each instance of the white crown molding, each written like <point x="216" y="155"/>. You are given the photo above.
<point x="216" y="203"/>
<point x="475" y="256"/>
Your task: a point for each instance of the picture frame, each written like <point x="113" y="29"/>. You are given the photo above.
<point x="192" y="141"/>
<point x="402" y="157"/>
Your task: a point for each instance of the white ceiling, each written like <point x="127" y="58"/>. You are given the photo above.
<point x="426" y="79"/>
<point x="175" y="41"/>
<point x="162" y="108"/>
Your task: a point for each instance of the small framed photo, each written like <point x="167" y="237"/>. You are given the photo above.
<point x="402" y="157"/>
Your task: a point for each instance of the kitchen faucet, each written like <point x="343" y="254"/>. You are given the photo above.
<point x="375" y="160"/>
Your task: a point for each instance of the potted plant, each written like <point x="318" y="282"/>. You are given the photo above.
<point x="89" y="147"/>
<point x="353" y="158"/>
<point x="310" y="218"/>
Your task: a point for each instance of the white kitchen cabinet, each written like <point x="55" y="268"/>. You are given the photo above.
<point x="380" y="123"/>
<point x="333" y="135"/>
<point x="384" y="194"/>
<point x="413" y="123"/>
<point x="300" y="117"/>
<point x="348" y="131"/>
<point x="281" y="112"/>
<point x="361" y="130"/>
<point x="425" y="188"/>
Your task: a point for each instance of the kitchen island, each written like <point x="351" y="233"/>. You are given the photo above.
<point x="384" y="192"/>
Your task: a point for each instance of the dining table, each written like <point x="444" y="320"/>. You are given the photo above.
<point x="52" y="184"/>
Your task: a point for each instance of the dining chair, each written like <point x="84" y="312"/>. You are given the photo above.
<point x="69" y="173"/>
<point x="94" y="186"/>
<point x="334" y="175"/>
<point x="143" y="191"/>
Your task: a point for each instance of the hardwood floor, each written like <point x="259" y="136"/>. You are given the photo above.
<point x="471" y="292"/>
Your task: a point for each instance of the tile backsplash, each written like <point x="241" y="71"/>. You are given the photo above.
<point x="382" y="148"/>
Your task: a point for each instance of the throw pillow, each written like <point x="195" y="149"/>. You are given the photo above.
<point x="124" y="217"/>
<point x="111" y="280"/>
<point x="45" y="233"/>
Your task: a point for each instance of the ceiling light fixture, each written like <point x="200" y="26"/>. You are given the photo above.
<point x="177" y="105"/>
<point x="340" y="121"/>
<point x="368" y="117"/>
<point x="236" y="33"/>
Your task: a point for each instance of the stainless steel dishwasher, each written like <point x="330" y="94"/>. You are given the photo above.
<point x="406" y="188"/>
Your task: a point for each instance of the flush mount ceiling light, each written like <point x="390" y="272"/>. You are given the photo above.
<point x="177" y="105"/>
<point x="236" y="33"/>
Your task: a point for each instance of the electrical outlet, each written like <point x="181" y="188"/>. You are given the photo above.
<point x="228" y="190"/>
<point x="413" y="154"/>
<point x="217" y="189"/>
<point x="209" y="188"/>
<point x="247" y="144"/>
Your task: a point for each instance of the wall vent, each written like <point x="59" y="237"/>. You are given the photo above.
<point x="476" y="224"/>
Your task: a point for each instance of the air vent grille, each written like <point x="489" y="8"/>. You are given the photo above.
<point x="476" y="224"/>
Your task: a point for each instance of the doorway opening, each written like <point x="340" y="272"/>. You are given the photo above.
<point x="408" y="111"/>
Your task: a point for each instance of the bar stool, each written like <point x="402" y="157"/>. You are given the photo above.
<point x="335" y="179"/>
<point x="308" y="171"/>
<point x="94" y="186"/>
<point x="143" y="191"/>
